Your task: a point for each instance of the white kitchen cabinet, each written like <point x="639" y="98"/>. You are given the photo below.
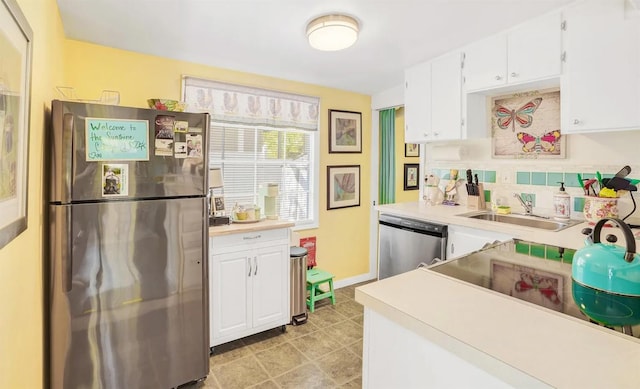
<point x="446" y="97"/>
<point x="463" y="240"/>
<point x="600" y="87"/>
<point x="433" y="98"/>
<point x="534" y="49"/>
<point x="485" y="63"/>
<point x="530" y="52"/>
<point x="249" y="284"/>
<point x="417" y="103"/>
<point x="394" y="356"/>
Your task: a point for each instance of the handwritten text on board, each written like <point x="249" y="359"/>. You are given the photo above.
<point x="117" y="139"/>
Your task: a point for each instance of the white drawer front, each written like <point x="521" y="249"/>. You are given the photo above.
<point x="249" y="238"/>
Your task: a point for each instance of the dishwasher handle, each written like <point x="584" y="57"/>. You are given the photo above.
<point x="437" y="230"/>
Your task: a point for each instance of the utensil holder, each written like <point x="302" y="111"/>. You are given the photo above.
<point x="596" y="208"/>
<point x="476" y="202"/>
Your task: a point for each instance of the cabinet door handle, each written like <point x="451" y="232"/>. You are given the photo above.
<point x="514" y="74"/>
<point x="436" y="134"/>
<point x="498" y="78"/>
<point x="255" y="259"/>
<point x="249" y="263"/>
<point x="453" y="248"/>
<point x="576" y="121"/>
<point x="251" y="237"/>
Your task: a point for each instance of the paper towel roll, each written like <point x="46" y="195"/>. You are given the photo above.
<point x="446" y="153"/>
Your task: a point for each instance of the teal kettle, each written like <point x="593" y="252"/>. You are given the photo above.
<point x="608" y="267"/>
<point x="605" y="281"/>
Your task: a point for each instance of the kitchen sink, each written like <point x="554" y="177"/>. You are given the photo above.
<point x="522" y="220"/>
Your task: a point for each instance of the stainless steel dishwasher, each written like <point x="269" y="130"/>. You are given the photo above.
<point x="406" y="243"/>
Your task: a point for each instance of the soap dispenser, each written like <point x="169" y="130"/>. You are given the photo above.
<point x="561" y="204"/>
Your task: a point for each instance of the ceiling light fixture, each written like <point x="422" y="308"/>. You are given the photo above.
<point x="332" y="32"/>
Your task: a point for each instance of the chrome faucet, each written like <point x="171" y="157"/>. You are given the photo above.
<point x="527" y="204"/>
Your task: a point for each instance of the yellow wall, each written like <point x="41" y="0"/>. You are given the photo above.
<point x="342" y="238"/>
<point x="21" y="261"/>
<point x="401" y="194"/>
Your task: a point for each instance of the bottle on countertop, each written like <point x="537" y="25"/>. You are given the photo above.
<point x="561" y="204"/>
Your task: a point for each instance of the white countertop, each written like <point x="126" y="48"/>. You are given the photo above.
<point x="568" y="238"/>
<point x="483" y="326"/>
<point x="235" y="228"/>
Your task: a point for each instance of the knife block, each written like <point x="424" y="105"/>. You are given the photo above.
<point x="476" y="202"/>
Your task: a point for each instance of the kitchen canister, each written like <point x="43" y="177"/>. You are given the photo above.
<point x="596" y="208"/>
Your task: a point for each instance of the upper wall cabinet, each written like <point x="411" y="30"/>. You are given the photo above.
<point x="600" y="87"/>
<point x="446" y="97"/>
<point x="485" y="63"/>
<point x="433" y="95"/>
<point x="529" y="52"/>
<point x="417" y="103"/>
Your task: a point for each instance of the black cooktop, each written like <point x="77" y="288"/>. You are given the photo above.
<point x="537" y="273"/>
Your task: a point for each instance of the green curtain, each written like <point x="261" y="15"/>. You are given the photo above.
<point x="387" y="171"/>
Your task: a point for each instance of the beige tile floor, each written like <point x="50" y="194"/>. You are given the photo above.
<point x="325" y="352"/>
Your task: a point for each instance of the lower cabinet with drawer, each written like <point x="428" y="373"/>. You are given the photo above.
<point x="464" y="240"/>
<point x="248" y="284"/>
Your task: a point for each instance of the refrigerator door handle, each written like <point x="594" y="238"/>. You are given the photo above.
<point x="249" y="263"/>
<point x="67" y="257"/>
<point x="64" y="161"/>
<point x="61" y="247"/>
<point x="255" y="260"/>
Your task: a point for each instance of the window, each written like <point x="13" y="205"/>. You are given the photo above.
<point x="251" y="157"/>
<point x="258" y="138"/>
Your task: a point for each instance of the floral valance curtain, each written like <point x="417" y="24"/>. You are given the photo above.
<point x="229" y="103"/>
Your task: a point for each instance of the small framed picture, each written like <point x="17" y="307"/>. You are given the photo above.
<point x="411" y="150"/>
<point x="411" y="174"/>
<point x="343" y="186"/>
<point x="218" y="203"/>
<point x="345" y="131"/>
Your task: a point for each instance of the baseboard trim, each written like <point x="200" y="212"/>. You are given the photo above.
<point x="354" y="280"/>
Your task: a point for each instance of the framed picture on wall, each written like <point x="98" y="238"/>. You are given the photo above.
<point x="345" y="131"/>
<point x="411" y="174"/>
<point x="343" y="186"/>
<point x="411" y="150"/>
<point x="527" y="126"/>
<point x="15" y="88"/>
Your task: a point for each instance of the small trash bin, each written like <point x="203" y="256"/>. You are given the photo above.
<point x="298" y="280"/>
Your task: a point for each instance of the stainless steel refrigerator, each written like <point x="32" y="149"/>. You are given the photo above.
<point x="128" y="235"/>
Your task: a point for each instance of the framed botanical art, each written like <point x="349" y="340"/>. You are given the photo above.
<point x="343" y="186"/>
<point x="411" y="174"/>
<point x="345" y="131"/>
<point x="16" y="39"/>
<point x="411" y="150"/>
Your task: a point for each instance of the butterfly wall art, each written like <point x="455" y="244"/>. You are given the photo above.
<point x="527" y="125"/>
<point x="537" y="144"/>
<point x="523" y="116"/>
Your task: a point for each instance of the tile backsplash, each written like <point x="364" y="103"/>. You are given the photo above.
<point x="586" y="154"/>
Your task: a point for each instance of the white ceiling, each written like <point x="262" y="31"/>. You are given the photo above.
<point x="267" y="37"/>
